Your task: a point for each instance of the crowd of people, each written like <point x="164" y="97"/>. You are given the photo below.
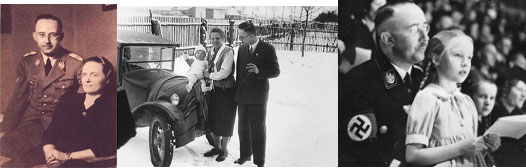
<point x="473" y="72"/>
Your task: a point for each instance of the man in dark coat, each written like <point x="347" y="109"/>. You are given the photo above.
<point x="256" y="63"/>
<point x="42" y="78"/>
<point x="372" y="120"/>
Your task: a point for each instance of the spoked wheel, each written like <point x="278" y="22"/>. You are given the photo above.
<point x="161" y="150"/>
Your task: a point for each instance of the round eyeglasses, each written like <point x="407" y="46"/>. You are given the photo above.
<point x="52" y="35"/>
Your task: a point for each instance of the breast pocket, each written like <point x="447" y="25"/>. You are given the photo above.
<point x="33" y="86"/>
<point x="62" y="86"/>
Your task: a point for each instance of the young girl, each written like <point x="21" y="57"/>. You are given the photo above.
<point x="442" y="122"/>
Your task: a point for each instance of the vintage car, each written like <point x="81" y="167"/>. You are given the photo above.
<point x="156" y="96"/>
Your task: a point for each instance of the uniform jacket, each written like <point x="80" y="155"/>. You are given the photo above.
<point x="35" y="92"/>
<point x="375" y="88"/>
<point x="253" y="88"/>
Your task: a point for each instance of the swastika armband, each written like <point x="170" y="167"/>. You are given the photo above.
<point x="361" y="127"/>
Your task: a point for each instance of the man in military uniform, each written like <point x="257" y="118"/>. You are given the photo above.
<point x="372" y="120"/>
<point x="42" y="78"/>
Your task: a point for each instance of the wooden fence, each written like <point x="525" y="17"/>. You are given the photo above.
<point x="321" y="37"/>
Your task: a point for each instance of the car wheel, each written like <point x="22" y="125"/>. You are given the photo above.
<point x="161" y="150"/>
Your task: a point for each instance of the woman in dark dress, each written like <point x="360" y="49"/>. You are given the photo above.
<point x="83" y="130"/>
<point x="511" y="97"/>
<point x="221" y="105"/>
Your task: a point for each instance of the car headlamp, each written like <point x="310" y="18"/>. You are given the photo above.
<point x="174" y="99"/>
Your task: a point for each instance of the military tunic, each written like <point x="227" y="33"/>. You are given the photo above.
<point x="34" y="98"/>
<point x="375" y="90"/>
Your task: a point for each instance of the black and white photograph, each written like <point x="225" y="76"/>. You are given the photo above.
<point x="230" y="86"/>
<point x="58" y="105"/>
<point x="432" y="83"/>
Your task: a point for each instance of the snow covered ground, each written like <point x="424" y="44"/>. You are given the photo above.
<point x="301" y="120"/>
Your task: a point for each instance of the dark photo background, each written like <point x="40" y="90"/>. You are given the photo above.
<point x="89" y="30"/>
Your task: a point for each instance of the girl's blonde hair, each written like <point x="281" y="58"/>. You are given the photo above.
<point x="437" y="48"/>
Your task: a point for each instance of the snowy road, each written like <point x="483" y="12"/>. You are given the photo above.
<point x="301" y="120"/>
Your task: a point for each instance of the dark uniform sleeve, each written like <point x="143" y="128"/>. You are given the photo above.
<point x="18" y="103"/>
<point x="357" y="99"/>
<point x="354" y="102"/>
<point x="356" y="94"/>
<point x="272" y="68"/>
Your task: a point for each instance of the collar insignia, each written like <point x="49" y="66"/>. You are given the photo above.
<point x="37" y="62"/>
<point x="61" y="65"/>
<point x="390" y="79"/>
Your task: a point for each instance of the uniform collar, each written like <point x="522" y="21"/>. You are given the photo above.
<point x="401" y="71"/>
<point x="58" y="55"/>
<point x="389" y="77"/>
<point x="45" y="57"/>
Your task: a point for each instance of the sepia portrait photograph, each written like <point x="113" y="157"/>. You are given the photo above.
<point x="233" y="86"/>
<point x="58" y="97"/>
<point x="432" y="83"/>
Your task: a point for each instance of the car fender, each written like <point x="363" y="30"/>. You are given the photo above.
<point x="144" y="112"/>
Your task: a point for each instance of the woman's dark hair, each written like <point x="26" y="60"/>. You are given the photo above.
<point x="504" y="85"/>
<point x="109" y="72"/>
<point x="218" y="30"/>
<point x="472" y="83"/>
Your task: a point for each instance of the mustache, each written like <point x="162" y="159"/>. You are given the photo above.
<point x="423" y="44"/>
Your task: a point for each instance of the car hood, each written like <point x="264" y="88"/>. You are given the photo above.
<point x="163" y="88"/>
<point x="159" y="84"/>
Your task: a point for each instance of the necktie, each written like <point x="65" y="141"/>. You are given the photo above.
<point x="407" y="81"/>
<point x="48" y="66"/>
<point x="251" y="50"/>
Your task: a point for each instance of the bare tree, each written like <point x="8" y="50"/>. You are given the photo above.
<point x="308" y="11"/>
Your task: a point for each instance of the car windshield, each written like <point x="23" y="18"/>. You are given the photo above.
<point x="148" y="57"/>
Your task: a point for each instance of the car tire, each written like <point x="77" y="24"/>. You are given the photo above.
<point x="161" y="150"/>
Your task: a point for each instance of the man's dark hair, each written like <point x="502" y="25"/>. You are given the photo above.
<point x="52" y="17"/>
<point x="386" y="12"/>
<point x="247" y="27"/>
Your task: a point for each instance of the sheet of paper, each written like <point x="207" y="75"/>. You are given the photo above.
<point x="510" y="126"/>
